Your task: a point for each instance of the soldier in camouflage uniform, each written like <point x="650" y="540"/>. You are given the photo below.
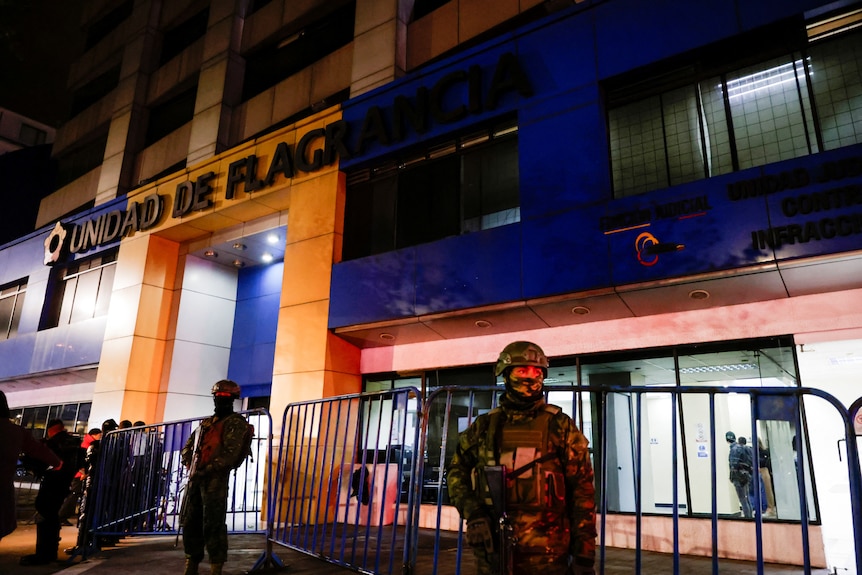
<point x="549" y="492"/>
<point x="211" y="452"/>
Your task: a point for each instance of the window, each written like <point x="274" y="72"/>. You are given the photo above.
<point x="73" y="164"/>
<point x="74" y="415"/>
<point x="100" y="29"/>
<point x="83" y="290"/>
<point x="424" y="7"/>
<point x="687" y="418"/>
<point x="270" y="65"/>
<point x="656" y="420"/>
<point x="94" y="90"/>
<point x="460" y="186"/>
<point x="256" y="5"/>
<point x="183" y="35"/>
<point x="712" y="118"/>
<point x="11" y="303"/>
<point x="171" y="115"/>
<point x="31" y="135"/>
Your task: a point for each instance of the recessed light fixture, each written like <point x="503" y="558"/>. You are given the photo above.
<point x="211" y="254"/>
<point x="239" y="246"/>
<point x="272" y="238"/>
<point x="266" y="258"/>
<point x="698" y="294"/>
<point x="483" y="324"/>
<point x="718" y="368"/>
<point x="238" y="263"/>
<point x="580" y="310"/>
<point x="387" y="337"/>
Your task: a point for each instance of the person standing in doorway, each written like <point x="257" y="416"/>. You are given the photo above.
<point x="522" y="479"/>
<point x="739" y="461"/>
<point x="215" y="448"/>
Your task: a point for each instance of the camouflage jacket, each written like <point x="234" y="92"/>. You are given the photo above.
<point x="219" y="448"/>
<point x="545" y="515"/>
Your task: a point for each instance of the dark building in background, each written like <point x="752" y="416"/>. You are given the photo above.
<point x="27" y="177"/>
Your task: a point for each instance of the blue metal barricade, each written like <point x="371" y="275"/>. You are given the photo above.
<point x="359" y="480"/>
<point x="141" y="482"/>
<point x="345" y="482"/>
<point x="661" y="471"/>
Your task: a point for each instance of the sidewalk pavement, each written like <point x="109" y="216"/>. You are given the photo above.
<point x="158" y="555"/>
<point x="153" y="555"/>
<point x="144" y="554"/>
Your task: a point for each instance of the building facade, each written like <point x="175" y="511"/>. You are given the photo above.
<point x="661" y="194"/>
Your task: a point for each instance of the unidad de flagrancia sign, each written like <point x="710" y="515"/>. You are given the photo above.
<point x="314" y="150"/>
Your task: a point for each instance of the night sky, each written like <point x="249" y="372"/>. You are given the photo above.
<point x="38" y="41"/>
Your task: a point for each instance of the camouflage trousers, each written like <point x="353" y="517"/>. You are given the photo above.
<point x="204" y="523"/>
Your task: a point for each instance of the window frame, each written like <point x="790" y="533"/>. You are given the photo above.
<point x="18" y="297"/>
<point x="800" y="134"/>
<point x="63" y="306"/>
<point x="377" y="219"/>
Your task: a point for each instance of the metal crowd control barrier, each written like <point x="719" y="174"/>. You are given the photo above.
<point x="697" y="534"/>
<point x="359" y="480"/>
<point x="346" y="480"/>
<point x="140" y="483"/>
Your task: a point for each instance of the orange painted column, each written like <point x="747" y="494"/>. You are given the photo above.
<point x="134" y="352"/>
<point x="310" y="361"/>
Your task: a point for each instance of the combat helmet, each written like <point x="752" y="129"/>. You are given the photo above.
<point x="521" y="353"/>
<point x="226" y="388"/>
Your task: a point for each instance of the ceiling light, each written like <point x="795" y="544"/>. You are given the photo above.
<point x="580" y="310"/>
<point x="765" y="79"/>
<point x="387" y="337"/>
<point x="266" y="258"/>
<point x="211" y="254"/>
<point x="272" y="238"/>
<point x="698" y="294"/>
<point x="238" y="263"/>
<point x="239" y="246"/>
<point x="482" y="324"/>
<point x="718" y="368"/>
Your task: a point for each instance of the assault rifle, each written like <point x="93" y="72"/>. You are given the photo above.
<point x="192" y="467"/>
<point x="496" y="478"/>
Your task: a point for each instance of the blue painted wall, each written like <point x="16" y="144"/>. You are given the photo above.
<point x="561" y="245"/>
<point x="31" y="350"/>
<point x="252" y="350"/>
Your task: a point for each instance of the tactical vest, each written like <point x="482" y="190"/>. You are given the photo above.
<point x="210" y="442"/>
<point x="535" y="478"/>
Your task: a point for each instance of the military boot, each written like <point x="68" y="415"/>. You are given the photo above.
<point x="215" y="568"/>
<point x="191" y="567"/>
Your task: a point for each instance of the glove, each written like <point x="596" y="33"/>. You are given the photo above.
<point x="479" y="533"/>
<point x="582" y="567"/>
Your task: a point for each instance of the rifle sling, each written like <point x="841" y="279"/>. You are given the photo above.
<point x="538" y="460"/>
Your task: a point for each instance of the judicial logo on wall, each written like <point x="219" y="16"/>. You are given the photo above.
<point x="108" y="227"/>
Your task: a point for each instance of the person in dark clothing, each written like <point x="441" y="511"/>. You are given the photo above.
<point x="91" y="465"/>
<point x="16" y="440"/>
<point x="522" y="479"/>
<point x="739" y="461"/>
<point x="214" y="449"/>
<point x="52" y="492"/>
<point x="76" y="491"/>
